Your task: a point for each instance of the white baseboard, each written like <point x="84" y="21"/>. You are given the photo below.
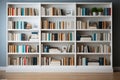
<point x="2" y="68"/>
<point x="116" y="69"/>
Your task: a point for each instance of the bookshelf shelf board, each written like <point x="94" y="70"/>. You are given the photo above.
<point x="95" y="16"/>
<point x="93" y="66"/>
<point x="23" y="53"/>
<point x="55" y="53"/>
<point x="57" y="41"/>
<point x="23" y="41"/>
<point x="58" y="66"/>
<point x="17" y="66"/>
<point x="94" y="53"/>
<point x="103" y="66"/>
<point x="58" y="30"/>
<point x="93" y="30"/>
<point x="23" y="16"/>
<point x="93" y="41"/>
<point x="91" y="3"/>
<point x="23" y="30"/>
<point x="58" y="16"/>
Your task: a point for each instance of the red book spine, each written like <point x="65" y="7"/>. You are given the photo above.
<point x="27" y="47"/>
<point x="110" y="11"/>
<point x="13" y="11"/>
<point x="24" y="60"/>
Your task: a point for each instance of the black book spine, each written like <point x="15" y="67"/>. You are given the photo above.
<point x="56" y="36"/>
<point x="77" y="36"/>
<point x="37" y="48"/>
<point x="100" y="25"/>
<point x="34" y="60"/>
<point x="101" y="61"/>
<point x="25" y="25"/>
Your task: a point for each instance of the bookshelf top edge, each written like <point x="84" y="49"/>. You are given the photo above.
<point x="59" y="3"/>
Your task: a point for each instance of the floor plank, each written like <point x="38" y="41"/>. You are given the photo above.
<point x="63" y="76"/>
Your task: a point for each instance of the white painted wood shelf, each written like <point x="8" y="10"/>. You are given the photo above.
<point x="42" y="18"/>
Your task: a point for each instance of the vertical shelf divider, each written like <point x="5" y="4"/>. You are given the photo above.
<point x="75" y="36"/>
<point x="40" y="34"/>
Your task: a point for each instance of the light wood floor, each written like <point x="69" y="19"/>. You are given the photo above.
<point x="63" y="76"/>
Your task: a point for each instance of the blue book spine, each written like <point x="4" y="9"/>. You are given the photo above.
<point x="83" y="11"/>
<point x="105" y="11"/>
<point x="19" y="24"/>
<point x="94" y="36"/>
<point x="49" y="36"/>
<point x="22" y="25"/>
<point x="22" y="11"/>
<point x="16" y="24"/>
<point x="22" y="48"/>
<point x="70" y="36"/>
<point x="34" y="32"/>
<point x="17" y="49"/>
<point x="86" y="61"/>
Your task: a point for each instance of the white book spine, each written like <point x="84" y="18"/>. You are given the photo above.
<point x="80" y="27"/>
<point x="77" y="24"/>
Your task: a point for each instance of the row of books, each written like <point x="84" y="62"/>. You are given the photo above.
<point x="19" y="25"/>
<point x="102" y="48"/>
<point x="94" y="37"/>
<point x="33" y="36"/>
<point x="87" y="11"/>
<point x="57" y="36"/>
<point x="13" y="48"/>
<point x="52" y="11"/>
<point x="101" y="37"/>
<point x="84" y="61"/>
<point x="14" y="11"/>
<point x="23" y="60"/>
<point x="63" y="49"/>
<point x="66" y="61"/>
<point x="83" y="11"/>
<point x="93" y="24"/>
<point x="57" y="24"/>
<point x="17" y="37"/>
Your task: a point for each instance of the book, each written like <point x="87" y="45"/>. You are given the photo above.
<point x="93" y="63"/>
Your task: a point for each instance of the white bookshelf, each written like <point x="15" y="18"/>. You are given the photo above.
<point x="55" y="27"/>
